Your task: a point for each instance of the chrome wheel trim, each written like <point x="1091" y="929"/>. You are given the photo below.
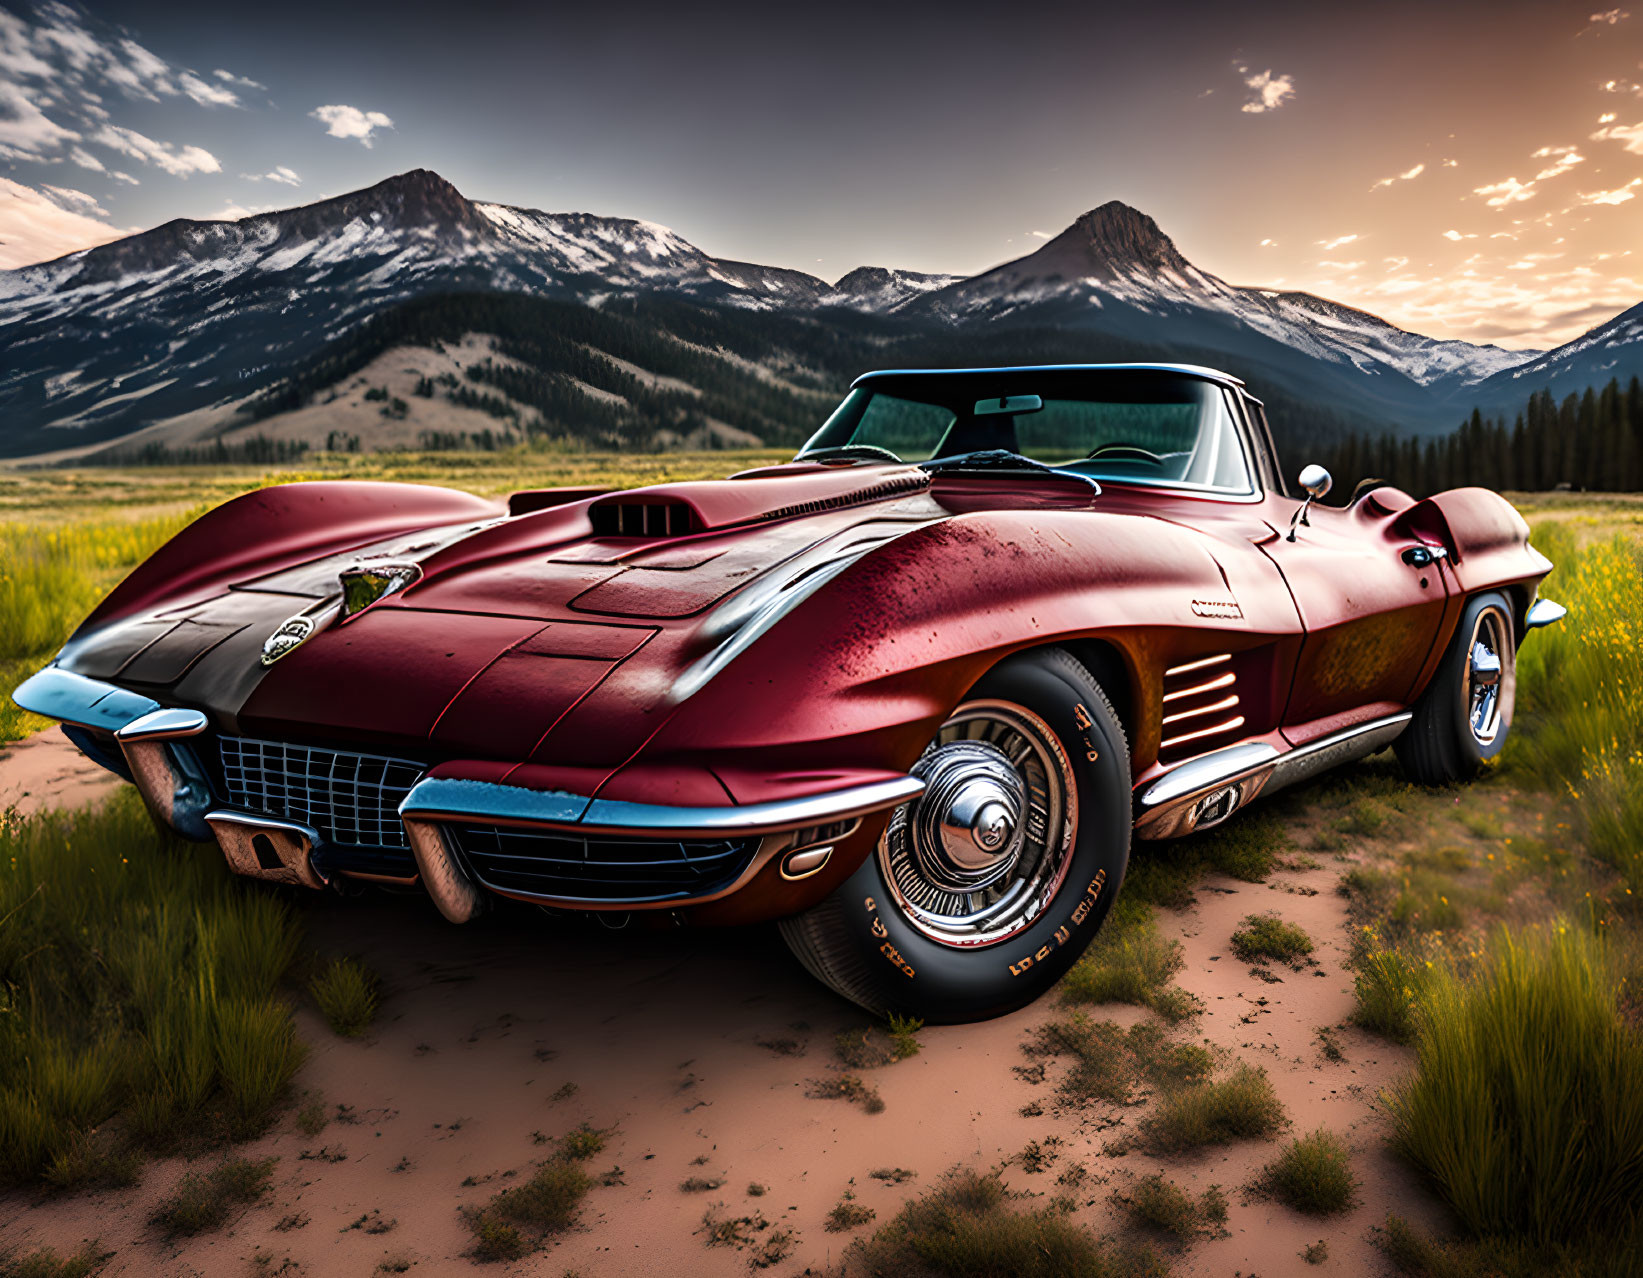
<point x="978" y="857"/>
<point x="1487" y="694"/>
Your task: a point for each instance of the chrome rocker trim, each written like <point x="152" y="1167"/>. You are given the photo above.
<point x="1205" y="791"/>
<point x="1543" y="612"/>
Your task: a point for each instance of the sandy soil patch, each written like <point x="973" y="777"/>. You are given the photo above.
<point x="696" y="1050"/>
<point x="46" y="771"/>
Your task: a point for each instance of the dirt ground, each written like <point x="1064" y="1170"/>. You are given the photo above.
<point x="498" y="1036"/>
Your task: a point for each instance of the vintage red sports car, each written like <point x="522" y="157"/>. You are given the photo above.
<point x="911" y="694"/>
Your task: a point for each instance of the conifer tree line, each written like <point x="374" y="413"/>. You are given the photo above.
<point x="1591" y="442"/>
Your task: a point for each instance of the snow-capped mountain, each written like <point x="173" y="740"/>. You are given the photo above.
<point x="1610" y="350"/>
<point x="1118" y="268"/>
<point x="101" y="342"/>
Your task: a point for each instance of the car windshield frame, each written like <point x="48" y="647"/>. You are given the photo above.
<point x="961" y="392"/>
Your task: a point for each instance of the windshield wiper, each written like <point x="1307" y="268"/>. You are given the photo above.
<point x="864" y="452"/>
<point x="1001" y="460"/>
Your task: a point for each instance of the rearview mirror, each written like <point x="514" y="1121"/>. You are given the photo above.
<point x="1315" y="482"/>
<point x="1009" y="404"/>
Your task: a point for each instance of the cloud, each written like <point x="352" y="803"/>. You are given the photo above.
<point x="1451" y="164"/>
<point x="1406" y="176"/>
<point x="1332" y="245"/>
<point x="1511" y="191"/>
<point x="1270" y="91"/>
<point x="65" y="197"/>
<point x="86" y="160"/>
<point x="175" y="160"/>
<point x="123" y="177"/>
<point x="1609" y="18"/>
<point x="1628" y="135"/>
<point x="26" y="132"/>
<point x="1041" y="235"/>
<point x="1341" y="266"/>
<point x="1620" y="194"/>
<point x="350" y="122"/>
<point x="1456" y="236"/>
<point x="35" y="228"/>
<point x="1563" y="159"/>
<point x="288" y="177"/>
<point x="1269" y="243"/>
<point x="245" y="82"/>
<point x="205" y="93"/>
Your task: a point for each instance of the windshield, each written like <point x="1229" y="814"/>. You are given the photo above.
<point x="1132" y="425"/>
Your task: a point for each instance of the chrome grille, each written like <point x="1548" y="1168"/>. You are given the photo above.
<point x="351" y="799"/>
<point x="569" y="866"/>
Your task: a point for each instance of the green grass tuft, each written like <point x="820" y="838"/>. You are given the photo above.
<point x="1525" y="1109"/>
<point x="201" y="1203"/>
<point x="46" y="1263"/>
<point x="345" y="992"/>
<point x="1159" y="1204"/>
<point x="1268" y="936"/>
<point x="966" y="1227"/>
<point x="1241" y="1106"/>
<point x="137" y="979"/>
<point x="1108" y="1063"/>
<point x="1130" y="961"/>
<point x="847" y="1214"/>
<point x="1313" y="1175"/>
<point x="1388" y="987"/>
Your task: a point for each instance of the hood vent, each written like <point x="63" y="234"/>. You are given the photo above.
<point x="894" y="487"/>
<point x="643" y="519"/>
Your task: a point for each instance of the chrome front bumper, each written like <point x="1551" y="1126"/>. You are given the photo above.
<point x="154" y="742"/>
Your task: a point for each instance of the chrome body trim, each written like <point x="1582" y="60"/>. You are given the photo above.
<point x="72" y="698"/>
<point x="249" y="840"/>
<point x="164" y="724"/>
<point x="437" y="797"/>
<point x="453" y="892"/>
<point x="1543" y="612"/>
<point x="172" y="784"/>
<point x="1208" y="789"/>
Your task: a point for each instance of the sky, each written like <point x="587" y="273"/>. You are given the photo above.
<point x="1467" y="169"/>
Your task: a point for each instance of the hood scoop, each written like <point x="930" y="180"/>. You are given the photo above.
<point x="677" y="510"/>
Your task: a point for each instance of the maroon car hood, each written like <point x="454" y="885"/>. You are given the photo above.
<point x="513" y="623"/>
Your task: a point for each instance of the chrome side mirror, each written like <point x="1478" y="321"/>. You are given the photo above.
<point x="1316" y="483"/>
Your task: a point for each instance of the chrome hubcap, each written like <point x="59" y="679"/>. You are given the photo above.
<point x="976" y="857"/>
<point x="1488" y="677"/>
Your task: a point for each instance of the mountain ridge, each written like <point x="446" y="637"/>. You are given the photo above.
<point x="111" y="338"/>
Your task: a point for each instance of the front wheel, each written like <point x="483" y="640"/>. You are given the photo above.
<point x="1464" y="715"/>
<point x="985" y="889"/>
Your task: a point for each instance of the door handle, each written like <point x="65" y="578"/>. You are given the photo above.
<point x="1424" y="556"/>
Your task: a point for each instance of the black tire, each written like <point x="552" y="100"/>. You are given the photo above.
<point x="1442" y="744"/>
<point x="863" y="940"/>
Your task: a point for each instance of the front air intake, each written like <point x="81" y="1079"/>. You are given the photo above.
<point x="654" y="519"/>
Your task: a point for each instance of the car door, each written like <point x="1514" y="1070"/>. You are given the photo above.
<point x="1370" y="607"/>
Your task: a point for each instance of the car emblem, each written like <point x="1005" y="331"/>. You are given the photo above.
<point x="292" y="634"/>
<point x="366" y="584"/>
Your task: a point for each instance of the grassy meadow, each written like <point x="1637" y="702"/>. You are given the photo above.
<point x="1496" y="929"/>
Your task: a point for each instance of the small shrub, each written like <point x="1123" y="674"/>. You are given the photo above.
<point x="1241" y="1106"/>
<point x="1164" y="1207"/>
<point x="201" y="1203"/>
<point x="965" y="1226"/>
<point x="756" y="1190"/>
<point x="1316" y="1253"/>
<point x="313" y="1115"/>
<point x="904" y="1035"/>
<point x="1329" y="1043"/>
<point x="700" y="1184"/>
<point x="581" y="1143"/>
<point x="1108" y="1062"/>
<point x="848" y="1214"/>
<point x="346" y="994"/>
<point x="1246" y="847"/>
<point x="1130" y="961"/>
<point x="1268" y="936"/>
<point x="849" y="1087"/>
<point x="547" y="1203"/>
<point x="892" y="1175"/>
<point x="1313" y="1175"/>
<point x="46" y="1263"/>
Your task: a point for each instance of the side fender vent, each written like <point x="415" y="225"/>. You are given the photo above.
<point x="1201" y="708"/>
<point x="654" y="519"/>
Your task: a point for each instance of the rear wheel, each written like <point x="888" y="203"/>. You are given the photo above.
<point x="1464" y="716"/>
<point x="989" y="885"/>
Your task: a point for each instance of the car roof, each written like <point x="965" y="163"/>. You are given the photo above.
<point x="1180" y="370"/>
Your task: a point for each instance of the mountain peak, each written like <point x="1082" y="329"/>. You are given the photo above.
<point x="1117" y="235"/>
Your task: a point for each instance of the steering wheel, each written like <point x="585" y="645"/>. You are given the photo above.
<point x="1124" y="452"/>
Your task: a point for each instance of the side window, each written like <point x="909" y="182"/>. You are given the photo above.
<point x="907" y="428"/>
<point x="1219" y="460"/>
